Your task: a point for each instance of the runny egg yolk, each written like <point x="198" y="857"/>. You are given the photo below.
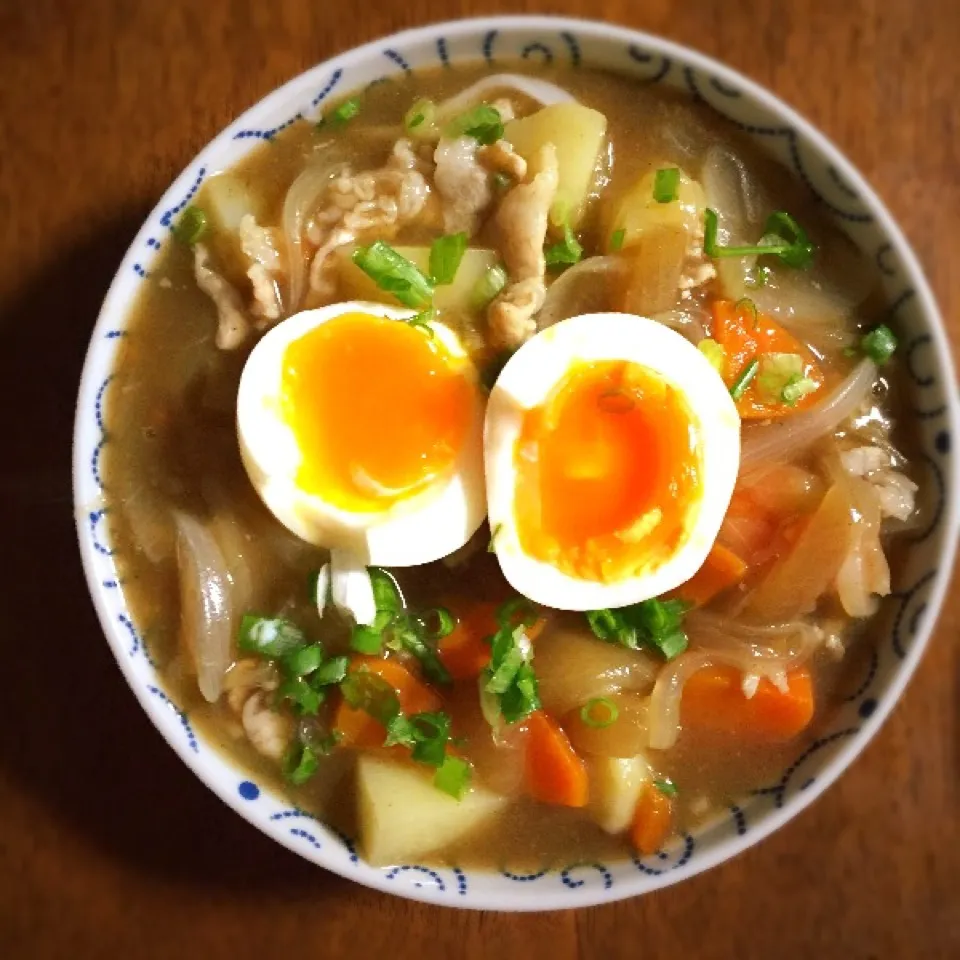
<point x="379" y="409"/>
<point x="608" y="473"/>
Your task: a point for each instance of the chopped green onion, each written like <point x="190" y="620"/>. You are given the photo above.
<point x="303" y="661"/>
<point x="270" y="637"/>
<point x="879" y="344"/>
<point x="395" y="274"/>
<point x="501" y="181"/>
<point x="715" y="353"/>
<point x="599" y="712"/>
<point x="488" y="286"/>
<point x="796" y="388"/>
<point x="406" y="633"/>
<point x="431" y="735"/>
<point x="366" y="691"/>
<point x="494" y="533"/>
<point x="329" y="672"/>
<point x="423" y="320"/>
<point x="366" y="640"/>
<point x="386" y="592"/>
<point x="304" y="698"/>
<point x="743" y="381"/>
<point x="654" y="623"/>
<point x="483" y="123"/>
<point x="746" y="304"/>
<point x="299" y="764"/>
<point x="522" y="697"/>
<point x="761" y="279"/>
<point x="191" y="226"/>
<point x="436" y="623"/>
<point x="665" y="184"/>
<point x="453" y="777"/>
<point x="775" y="372"/>
<point x="420" y="115"/>
<point x="667" y="787"/>
<point x="445" y="256"/>
<point x="509" y="675"/>
<point x="783" y="237"/>
<point x="341" y="114"/>
<point x="616" y="239"/>
<point x="567" y="252"/>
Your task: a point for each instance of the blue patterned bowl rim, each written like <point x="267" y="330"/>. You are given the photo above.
<point x="908" y="615"/>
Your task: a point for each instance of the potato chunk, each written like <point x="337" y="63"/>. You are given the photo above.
<point x="578" y="134"/>
<point x="615" y="785"/>
<point x="403" y="816"/>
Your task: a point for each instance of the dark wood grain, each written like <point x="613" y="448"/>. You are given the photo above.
<point x="108" y="846"/>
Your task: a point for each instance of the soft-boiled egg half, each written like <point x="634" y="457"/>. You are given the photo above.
<point x="611" y="449"/>
<point x="364" y="434"/>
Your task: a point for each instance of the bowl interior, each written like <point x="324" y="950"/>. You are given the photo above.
<point x="900" y="630"/>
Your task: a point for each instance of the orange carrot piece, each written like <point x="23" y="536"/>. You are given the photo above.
<point x="357" y="728"/>
<point x="652" y="821"/>
<point x="720" y="571"/>
<point x="554" y="772"/>
<point x="466" y="651"/>
<point x="746" y="336"/>
<point x="713" y="700"/>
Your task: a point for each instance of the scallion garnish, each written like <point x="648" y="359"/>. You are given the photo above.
<point x="191" y="226"/>
<point x="299" y="764"/>
<point x="494" y="533"/>
<point x="879" y="344"/>
<point x="341" y="114"/>
<point x="445" y="256"/>
<point x="422" y="321"/>
<point x="783" y="237"/>
<point x="665" y="184"/>
<point x="653" y="623"/>
<point x="667" y="787"/>
<point x="395" y="274"/>
<point x="760" y="279"/>
<point x="483" y="123"/>
<point x="567" y="252"/>
<point x="269" y="637"/>
<point x="488" y="286"/>
<point x="420" y="115"/>
<point x="436" y="623"/>
<point x="745" y="304"/>
<point x="599" y="712"/>
<point x="781" y="378"/>
<point x="796" y="388"/>
<point x="509" y="675"/>
<point x="453" y="777"/>
<point x="616" y="239"/>
<point x="743" y="381"/>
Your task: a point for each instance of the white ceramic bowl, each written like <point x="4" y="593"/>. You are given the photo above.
<point x="900" y="631"/>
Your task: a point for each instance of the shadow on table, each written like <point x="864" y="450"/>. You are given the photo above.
<point x="79" y="741"/>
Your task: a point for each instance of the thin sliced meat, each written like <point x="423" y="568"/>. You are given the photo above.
<point x="261" y="246"/>
<point x="463" y="184"/>
<point x="233" y="325"/>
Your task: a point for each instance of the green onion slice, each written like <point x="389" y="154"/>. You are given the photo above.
<point x="488" y="286"/>
<point x="667" y="787"/>
<point x="436" y="623"/>
<point x="879" y="344"/>
<point x="665" y="184"/>
<point x="270" y="637"/>
<point x="565" y="253"/>
<point x="483" y="123"/>
<point x="653" y="623"/>
<point x="453" y="777"/>
<point x="344" y="112"/>
<point x="395" y="274"/>
<point x="743" y="381"/>
<point x="517" y="612"/>
<point x="599" y="712"/>
<point x="445" y="256"/>
<point x="191" y="226"/>
<point x="616" y="239"/>
<point x="420" y="115"/>
<point x="299" y="764"/>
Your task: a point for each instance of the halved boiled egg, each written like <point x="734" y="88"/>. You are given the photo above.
<point x="612" y="450"/>
<point x="363" y="433"/>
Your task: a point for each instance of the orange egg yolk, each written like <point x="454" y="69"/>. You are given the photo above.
<point x="608" y="473"/>
<point x="379" y="409"/>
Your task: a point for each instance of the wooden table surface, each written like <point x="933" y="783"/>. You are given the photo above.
<point x="109" y="847"/>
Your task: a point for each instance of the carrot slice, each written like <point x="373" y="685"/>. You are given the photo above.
<point x="466" y="651"/>
<point x="720" y="571"/>
<point x="554" y="772"/>
<point x="652" y="821"/>
<point x="357" y="728"/>
<point x="713" y="700"/>
<point x="746" y="336"/>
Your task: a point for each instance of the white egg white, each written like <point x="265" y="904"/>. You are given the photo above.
<point x="527" y="381"/>
<point x="418" y="529"/>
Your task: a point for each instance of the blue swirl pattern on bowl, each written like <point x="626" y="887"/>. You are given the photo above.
<point x="900" y="621"/>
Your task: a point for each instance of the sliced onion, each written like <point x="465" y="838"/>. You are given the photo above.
<point x="539" y="90"/>
<point x="588" y="287"/>
<point x="323" y="588"/>
<point x="350" y="587"/>
<point x="206" y="610"/>
<point x="303" y="196"/>
<point x="790" y="436"/>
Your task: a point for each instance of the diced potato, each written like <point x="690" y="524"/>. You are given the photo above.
<point x="403" y="816"/>
<point x="615" y="786"/>
<point x="578" y="134"/>
<point x="354" y="283"/>
<point x="639" y="214"/>
<point x="226" y="200"/>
